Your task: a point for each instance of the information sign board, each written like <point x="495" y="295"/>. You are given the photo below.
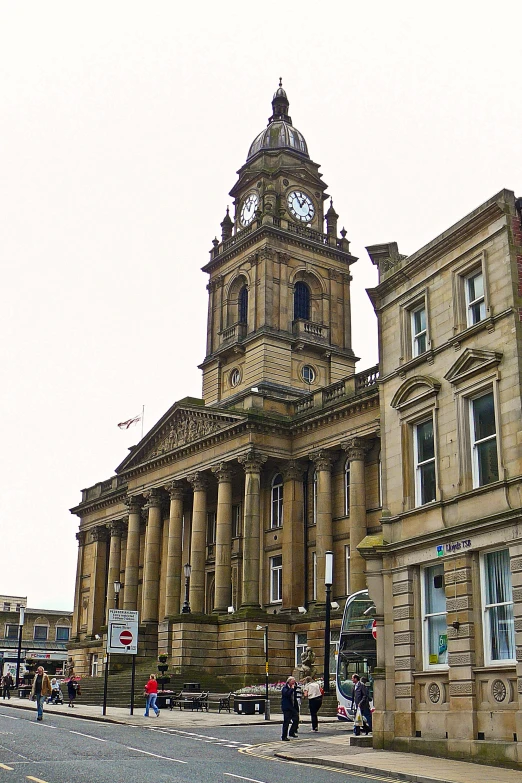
<point x="122" y="632"/>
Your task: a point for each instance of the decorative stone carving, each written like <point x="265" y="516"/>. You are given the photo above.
<point x="199" y="481"/>
<point x="293" y="470"/>
<point x="176" y="490"/>
<point x="322" y="459"/>
<point x="153" y="498"/>
<point x="186" y="427"/>
<point x="99" y="533"/>
<point x="133" y="503"/>
<point x="355" y="448"/>
<point x="307" y="667"/>
<point x="434" y="692"/>
<point x="116" y="528"/>
<point x="498" y="690"/>
<point x="252" y="461"/>
<point x="223" y="472"/>
<point x="81" y="537"/>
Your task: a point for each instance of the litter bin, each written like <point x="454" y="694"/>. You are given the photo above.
<point x="249" y="705"/>
<point x="191" y="686"/>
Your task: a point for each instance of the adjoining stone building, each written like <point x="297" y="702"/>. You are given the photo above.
<point x="446" y="571"/>
<point x="282" y="461"/>
<point x="278" y="464"/>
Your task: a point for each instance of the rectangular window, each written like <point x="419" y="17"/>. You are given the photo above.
<point x="11" y="631"/>
<point x="236" y="521"/>
<point x="418" y="330"/>
<point x="41" y="632"/>
<point x="211" y="527"/>
<point x="314" y="498"/>
<point x="62" y="633"/>
<point x="347" y="487"/>
<point x="7" y="607"/>
<point x="347" y="567"/>
<point x="94" y="665"/>
<point x="483" y="431"/>
<point x="434" y="616"/>
<point x="300" y="647"/>
<point x="475" y="302"/>
<point x="499" y="624"/>
<point x="424" y="457"/>
<point x="334" y="652"/>
<point x="314" y="576"/>
<point x="276" y="579"/>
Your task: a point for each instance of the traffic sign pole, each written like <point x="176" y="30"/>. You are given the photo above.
<point x="105" y="684"/>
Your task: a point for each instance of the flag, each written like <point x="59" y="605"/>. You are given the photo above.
<point x="124" y="425"/>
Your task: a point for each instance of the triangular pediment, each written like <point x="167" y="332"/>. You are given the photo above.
<point x="472" y="362"/>
<point x="181" y="425"/>
<point x="413" y="390"/>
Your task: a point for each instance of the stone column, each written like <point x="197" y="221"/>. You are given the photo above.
<point x="115" y="531"/>
<point x="356" y="449"/>
<point x="174" y="549"/>
<point x="323" y="534"/>
<point x="294" y="562"/>
<point x="252" y="463"/>
<point x="132" y="560"/>
<point x="223" y="574"/>
<point x="150" y="589"/>
<point x="199" y="483"/>
<point x="77" y="617"/>
<point x="96" y="616"/>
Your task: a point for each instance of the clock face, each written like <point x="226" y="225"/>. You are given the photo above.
<point x="301" y="206"/>
<point x="248" y="210"/>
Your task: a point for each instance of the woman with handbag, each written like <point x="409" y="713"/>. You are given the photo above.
<point x="314" y="693"/>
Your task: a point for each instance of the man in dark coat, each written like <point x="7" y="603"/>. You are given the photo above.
<point x="289" y="709"/>
<point x="361" y="699"/>
<point x="7" y="683"/>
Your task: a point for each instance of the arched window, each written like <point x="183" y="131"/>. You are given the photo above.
<point x="347" y="487"/>
<point x="277" y="501"/>
<point x="301" y="301"/>
<point x="243" y="305"/>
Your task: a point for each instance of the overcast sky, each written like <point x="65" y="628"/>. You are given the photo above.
<point x="122" y="126"/>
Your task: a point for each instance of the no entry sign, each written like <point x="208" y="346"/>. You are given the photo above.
<point x="374" y="629"/>
<point x="122" y="632"/>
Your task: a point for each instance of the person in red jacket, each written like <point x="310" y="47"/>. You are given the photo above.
<point x="151" y="692"/>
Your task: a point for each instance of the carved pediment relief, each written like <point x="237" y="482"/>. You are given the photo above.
<point x="186" y="427"/>
<point x="472" y="362"/>
<point x="413" y="390"/>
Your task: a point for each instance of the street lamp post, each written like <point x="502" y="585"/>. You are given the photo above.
<point x="328" y="581"/>
<point x="117" y="588"/>
<point x="187" y="568"/>
<point x="19" y="654"/>
<point x="265" y="642"/>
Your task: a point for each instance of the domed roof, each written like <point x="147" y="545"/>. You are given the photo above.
<point x="280" y="133"/>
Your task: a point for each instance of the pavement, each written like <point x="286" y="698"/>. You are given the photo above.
<point x="334" y="746"/>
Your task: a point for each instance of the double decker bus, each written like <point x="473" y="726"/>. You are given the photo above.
<point x="357" y="650"/>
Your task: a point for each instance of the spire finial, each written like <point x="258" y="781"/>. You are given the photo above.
<point x="280" y="81"/>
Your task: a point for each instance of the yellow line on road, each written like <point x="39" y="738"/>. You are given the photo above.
<point x="37" y="780"/>
<point x="4" y="766"/>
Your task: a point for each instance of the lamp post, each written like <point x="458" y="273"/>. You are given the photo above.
<point x="328" y="581"/>
<point x="117" y="588"/>
<point x="19" y="654"/>
<point x="265" y="641"/>
<point x="187" y="568"/>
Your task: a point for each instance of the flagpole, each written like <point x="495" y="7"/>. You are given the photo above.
<point x="142" y="419"/>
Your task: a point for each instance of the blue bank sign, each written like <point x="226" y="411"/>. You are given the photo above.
<point x="453" y="546"/>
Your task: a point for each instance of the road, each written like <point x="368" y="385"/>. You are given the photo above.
<point x="63" y="749"/>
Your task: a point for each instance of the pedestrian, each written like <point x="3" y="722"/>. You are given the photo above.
<point x="289" y="709"/>
<point x="361" y="700"/>
<point x="151" y="692"/>
<point x="72" y="691"/>
<point x="40" y="690"/>
<point x="314" y="693"/>
<point x="7" y="684"/>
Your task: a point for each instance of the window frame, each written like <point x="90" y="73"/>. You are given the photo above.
<point x="276" y="579"/>
<point x="62" y="628"/>
<point x="41" y="638"/>
<point x="314" y="497"/>
<point x="347" y="469"/>
<point x="347" y="557"/>
<point x="486" y="614"/>
<point x="474" y="453"/>
<point x="300" y="306"/>
<point x="314" y="576"/>
<point x="418" y="465"/>
<point x="461" y="275"/>
<point x="471" y="304"/>
<point x="7" y="635"/>
<point x="444" y="666"/>
<point x="414" y="304"/>
<point x="299" y="646"/>
<point x="237" y="520"/>
<point x="276" y="502"/>
<point x="418" y="335"/>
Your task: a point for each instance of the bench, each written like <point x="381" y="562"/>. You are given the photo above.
<point x="185" y="699"/>
<point x="222" y="700"/>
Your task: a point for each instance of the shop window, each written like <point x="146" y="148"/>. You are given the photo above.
<point x="497" y="592"/>
<point x="424" y="462"/>
<point x="435" y="632"/>
<point x="276" y="579"/>
<point x="276" y="519"/>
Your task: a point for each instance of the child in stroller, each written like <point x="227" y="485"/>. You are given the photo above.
<point x="56" y="694"/>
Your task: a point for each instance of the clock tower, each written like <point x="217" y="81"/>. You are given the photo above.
<point x="279" y="288"/>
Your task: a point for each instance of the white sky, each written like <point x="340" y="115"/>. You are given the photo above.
<point x="122" y="125"/>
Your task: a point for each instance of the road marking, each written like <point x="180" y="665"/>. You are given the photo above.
<point x="89" y="736"/>
<point x="240" y="777"/>
<point x="222" y="742"/>
<point x="156" y="756"/>
<point x="9" y="717"/>
<point x="37" y="780"/>
<point x="4" y="766"/>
